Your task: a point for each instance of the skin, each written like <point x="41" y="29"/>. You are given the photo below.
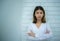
<point x="39" y="14"/>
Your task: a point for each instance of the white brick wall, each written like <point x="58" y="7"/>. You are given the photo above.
<point x="52" y="9"/>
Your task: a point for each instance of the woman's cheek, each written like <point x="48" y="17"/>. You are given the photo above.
<point x="41" y="16"/>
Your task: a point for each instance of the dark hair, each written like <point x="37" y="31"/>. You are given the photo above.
<point x="34" y="17"/>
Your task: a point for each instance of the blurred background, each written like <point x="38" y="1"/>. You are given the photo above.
<point x="15" y="15"/>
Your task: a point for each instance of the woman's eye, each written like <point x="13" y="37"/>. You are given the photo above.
<point x="37" y="12"/>
<point x="40" y="12"/>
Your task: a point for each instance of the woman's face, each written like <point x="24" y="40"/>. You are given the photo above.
<point x="39" y="14"/>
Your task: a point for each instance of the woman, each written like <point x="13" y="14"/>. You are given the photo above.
<point x="39" y="29"/>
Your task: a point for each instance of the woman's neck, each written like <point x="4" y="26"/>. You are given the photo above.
<point x="38" y="24"/>
<point x="39" y="21"/>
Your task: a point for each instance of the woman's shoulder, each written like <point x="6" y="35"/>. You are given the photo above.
<point x="46" y="24"/>
<point x="42" y="23"/>
<point x="30" y="25"/>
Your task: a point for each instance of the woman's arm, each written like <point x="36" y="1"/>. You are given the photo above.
<point x="48" y="31"/>
<point x="30" y="32"/>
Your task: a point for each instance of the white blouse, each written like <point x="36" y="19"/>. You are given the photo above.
<point x="40" y="33"/>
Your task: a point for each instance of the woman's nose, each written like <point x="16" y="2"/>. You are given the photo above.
<point x="39" y="14"/>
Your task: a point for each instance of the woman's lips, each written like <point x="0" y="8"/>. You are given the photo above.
<point x="39" y="17"/>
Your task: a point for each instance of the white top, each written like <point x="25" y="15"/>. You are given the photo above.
<point x="39" y="33"/>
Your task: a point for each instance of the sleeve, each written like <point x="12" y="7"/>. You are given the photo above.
<point x="28" y="29"/>
<point x="36" y="35"/>
<point x="48" y="29"/>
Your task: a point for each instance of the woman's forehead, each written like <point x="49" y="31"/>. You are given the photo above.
<point x="39" y="10"/>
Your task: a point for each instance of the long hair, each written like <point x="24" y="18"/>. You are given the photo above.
<point x="43" y="20"/>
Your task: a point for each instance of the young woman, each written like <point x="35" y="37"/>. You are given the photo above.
<point x="39" y="29"/>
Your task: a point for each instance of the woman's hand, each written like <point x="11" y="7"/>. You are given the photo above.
<point x="31" y="34"/>
<point x="47" y="32"/>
